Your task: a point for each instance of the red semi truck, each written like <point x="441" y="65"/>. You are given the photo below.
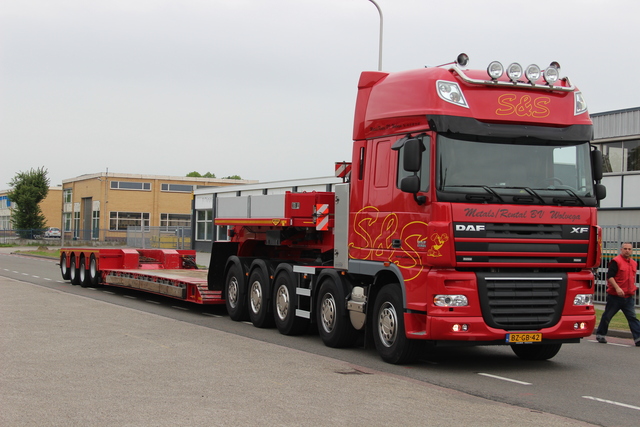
<point x="467" y="216"/>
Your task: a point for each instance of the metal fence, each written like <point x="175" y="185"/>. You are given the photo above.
<point x="159" y="237"/>
<point x="150" y="237"/>
<point x="613" y="236"/>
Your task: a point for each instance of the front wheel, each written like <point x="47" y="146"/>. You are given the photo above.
<point x="536" y="351"/>
<point x="392" y="344"/>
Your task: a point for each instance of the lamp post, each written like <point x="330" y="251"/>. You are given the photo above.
<point x="380" y="41"/>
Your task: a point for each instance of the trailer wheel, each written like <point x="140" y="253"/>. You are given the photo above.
<point x="94" y="273"/>
<point x="74" y="273"/>
<point x="235" y="292"/>
<point x="334" y="326"/>
<point x="536" y="351"/>
<point x="64" y="270"/>
<point x="259" y="311"/>
<point x="284" y="305"/>
<point x="83" y="273"/>
<point x="392" y="344"/>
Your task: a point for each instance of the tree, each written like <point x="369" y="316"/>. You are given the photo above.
<point x="232" y="177"/>
<point x="195" y="174"/>
<point x="28" y="189"/>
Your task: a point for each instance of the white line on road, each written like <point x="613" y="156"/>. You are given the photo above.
<point x="613" y="343"/>
<point x="152" y="302"/>
<point x="37" y="277"/>
<point x="109" y="292"/>
<point x="503" y="378"/>
<point x="129" y="296"/>
<point x="211" y="315"/>
<point x="612" y="402"/>
<point x="46" y="278"/>
<point x="180" y="308"/>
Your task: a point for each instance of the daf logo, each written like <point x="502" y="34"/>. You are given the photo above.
<point x="579" y="230"/>
<point x="469" y="227"/>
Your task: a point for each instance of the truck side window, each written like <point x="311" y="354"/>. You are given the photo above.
<point x="424" y="171"/>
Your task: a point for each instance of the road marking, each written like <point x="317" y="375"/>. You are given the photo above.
<point x="46" y="278"/>
<point x="129" y="296"/>
<point x="180" y="308"/>
<point x="17" y="272"/>
<point x="25" y="274"/>
<point x="152" y="302"/>
<point x="503" y="378"/>
<point x="37" y="277"/>
<point x="109" y="292"/>
<point x="612" y="402"/>
<point x="613" y="343"/>
<point x="211" y="315"/>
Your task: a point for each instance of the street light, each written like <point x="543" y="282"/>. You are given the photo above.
<point x="380" y="41"/>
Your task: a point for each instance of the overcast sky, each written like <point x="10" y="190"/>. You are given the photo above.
<point x="264" y="89"/>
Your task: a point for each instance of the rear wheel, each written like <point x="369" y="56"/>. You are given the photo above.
<point x="84" y="273"/>
<point x="64" y="270"/>
<point x="389" y="336"/>
<point x="94" y="273"/>
<point x="235" y="292"/>
<point x="74" y="271"/>
<point x="536" y="351"/>
<point x="334" y="326"/>
<point x="259" y="311"/>
<point x="284" y="305"/>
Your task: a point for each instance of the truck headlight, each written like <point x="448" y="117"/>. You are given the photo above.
<point x="450" y="300"/>
<point x="583" y="299"/>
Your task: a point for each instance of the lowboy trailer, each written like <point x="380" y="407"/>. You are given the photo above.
<point x="171" y="273"/>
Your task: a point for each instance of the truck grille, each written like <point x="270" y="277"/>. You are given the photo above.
<point x="521" y="302"/>
<point x="504" y="244"/>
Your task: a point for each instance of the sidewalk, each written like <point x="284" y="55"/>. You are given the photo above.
<point x="72" y="361"/>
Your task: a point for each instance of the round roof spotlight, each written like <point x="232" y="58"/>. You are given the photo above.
<point x="532" y="73"/>
<point x="495" y="70"/>
<point x="462" y="59"/>
<point x="551" y="75"/>
<point x="514" y="72"/>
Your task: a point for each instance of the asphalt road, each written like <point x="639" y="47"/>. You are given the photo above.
<point x="587" y="382"/>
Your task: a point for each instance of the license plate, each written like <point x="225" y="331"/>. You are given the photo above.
<point x="524" y="337"/>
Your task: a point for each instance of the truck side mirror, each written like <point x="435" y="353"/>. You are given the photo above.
<point x="596" y="164"/>
<point x="412" y="159"/>
<point x="601" y="191"/>
<point x="410" y="184"/>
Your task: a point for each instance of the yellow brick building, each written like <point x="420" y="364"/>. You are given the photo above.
<point x="102" y="206"/>
<point x="51" y="208"/>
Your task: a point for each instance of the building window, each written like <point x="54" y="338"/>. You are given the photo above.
<point x="128" y="185"/>
<point x="66" y="221"/>
<point x="175" y="220"/>
<point x="120" y="221"/>
<point x="5" y="222"/>
<point x="67" y="195"/>
<point x="621" y="156"/>
<point x="221" y="233"/>
<point x="76" y="224"/>
<point x="204" y="223"/>
<point x="5" y="203"/>
<point x="177" y="188"/>
<point x="95" y="224"/>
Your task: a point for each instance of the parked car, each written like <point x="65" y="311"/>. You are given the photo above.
<point x="52" y="232"/>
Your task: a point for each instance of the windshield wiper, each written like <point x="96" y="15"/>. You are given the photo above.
<point x="574" y="197"/>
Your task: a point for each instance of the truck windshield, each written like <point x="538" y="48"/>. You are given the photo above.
<point x="513" y="171"/>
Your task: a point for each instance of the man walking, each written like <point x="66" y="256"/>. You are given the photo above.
<point x="621" y="294"/>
